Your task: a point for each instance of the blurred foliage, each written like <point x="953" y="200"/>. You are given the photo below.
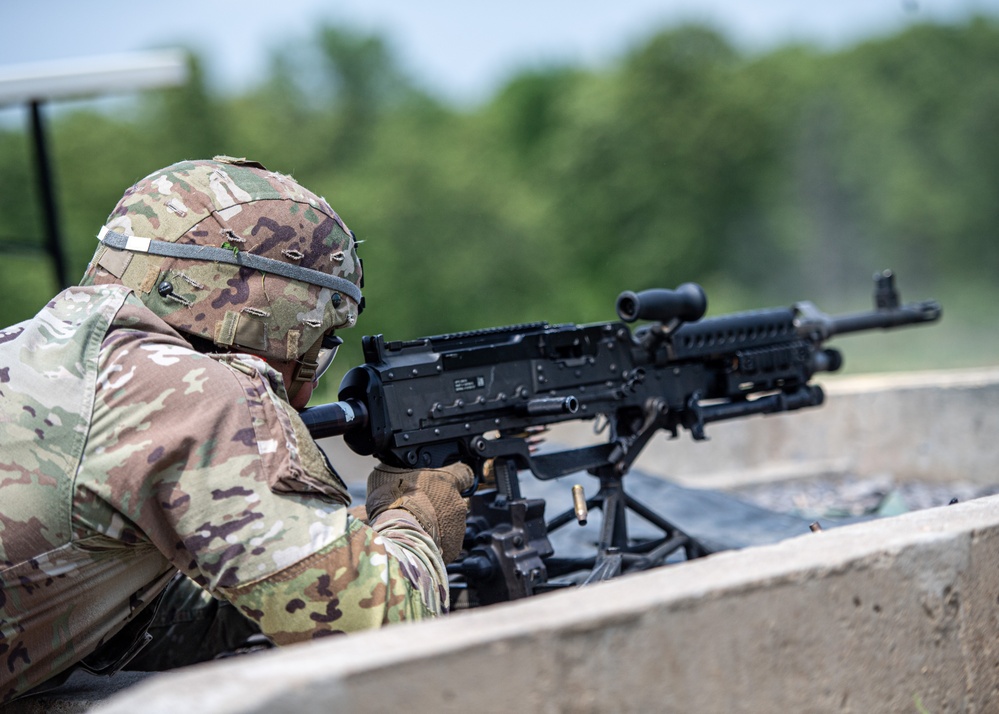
<point x="770" y="178"/>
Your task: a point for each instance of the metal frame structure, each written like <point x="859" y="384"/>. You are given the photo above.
<point x="35" y="85"/>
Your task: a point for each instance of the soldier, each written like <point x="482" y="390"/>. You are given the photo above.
<point x="149" y="428"/>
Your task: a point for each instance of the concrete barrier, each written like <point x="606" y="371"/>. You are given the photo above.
<point x="888" y="616"/>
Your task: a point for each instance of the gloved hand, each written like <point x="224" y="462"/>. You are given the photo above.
<point x="433" y="496"/>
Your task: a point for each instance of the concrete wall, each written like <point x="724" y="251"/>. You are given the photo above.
<point x="880" y="617"/>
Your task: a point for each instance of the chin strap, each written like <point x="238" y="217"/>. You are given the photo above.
<point x="305" y="369"/>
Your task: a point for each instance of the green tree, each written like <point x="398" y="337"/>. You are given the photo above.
<point x="788" y="174"/>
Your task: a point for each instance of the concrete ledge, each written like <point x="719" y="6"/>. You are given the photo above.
<point x="878" y="617"/>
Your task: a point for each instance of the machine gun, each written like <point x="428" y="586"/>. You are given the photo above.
<point x="482" y="396"/>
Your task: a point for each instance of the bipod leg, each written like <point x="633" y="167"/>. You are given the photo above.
<point x="614" y="529"/>
<point x="613" y="543"/>
<point x="692" y="548"/>
<point x="615" y="552"/>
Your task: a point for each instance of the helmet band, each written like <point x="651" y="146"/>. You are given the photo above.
<point x="119" y="241"/>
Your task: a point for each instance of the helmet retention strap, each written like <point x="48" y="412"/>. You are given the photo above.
<point x="305" y="369"/>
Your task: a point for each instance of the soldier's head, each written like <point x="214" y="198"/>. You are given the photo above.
<point x="237" y="258"/>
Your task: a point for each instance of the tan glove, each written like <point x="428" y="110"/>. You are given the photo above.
<point x="433" y="496"/>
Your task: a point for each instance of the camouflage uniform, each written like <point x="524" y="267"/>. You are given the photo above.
<point x="128" y="456"/>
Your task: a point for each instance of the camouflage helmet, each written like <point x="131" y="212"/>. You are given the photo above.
<point x="232" y="253"/>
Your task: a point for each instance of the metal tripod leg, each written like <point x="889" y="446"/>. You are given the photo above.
<point x="615" y="552"/>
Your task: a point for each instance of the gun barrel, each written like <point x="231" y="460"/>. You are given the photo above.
<point x="911" y="314"/>
<point x="335" y="418"/>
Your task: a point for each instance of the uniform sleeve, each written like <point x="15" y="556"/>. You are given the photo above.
<point x="405" y="539"/>
<point x="201" y="460"/>
<point x="418" y="556"/>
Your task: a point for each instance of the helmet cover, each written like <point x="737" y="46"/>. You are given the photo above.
<point x="236" y="254"/>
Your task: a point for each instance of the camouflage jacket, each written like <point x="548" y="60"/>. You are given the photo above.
<point x="126" y="456"/>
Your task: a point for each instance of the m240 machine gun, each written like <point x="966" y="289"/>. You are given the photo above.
<point x="482" y="397"/>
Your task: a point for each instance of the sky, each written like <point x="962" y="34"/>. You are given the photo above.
<point x="461" y="51"/>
